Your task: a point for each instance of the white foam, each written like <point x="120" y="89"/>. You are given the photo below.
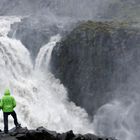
<point x="41" y="98"/>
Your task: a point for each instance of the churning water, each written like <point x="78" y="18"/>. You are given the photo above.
<point x="41" y="99"/>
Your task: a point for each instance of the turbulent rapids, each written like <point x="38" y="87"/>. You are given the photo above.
<point x="42" y="99"/>
<point x="98" y="62"/>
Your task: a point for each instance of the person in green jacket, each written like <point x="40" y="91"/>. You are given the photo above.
<point x="7" y="104"/>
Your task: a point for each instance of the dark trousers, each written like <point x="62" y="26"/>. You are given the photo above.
<point x="5" y="115"/>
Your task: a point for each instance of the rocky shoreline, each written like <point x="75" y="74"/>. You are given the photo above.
<point x="42" y="133"/>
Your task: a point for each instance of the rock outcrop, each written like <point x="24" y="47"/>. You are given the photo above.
<point x="95" y="59"/>
<point x="44" y="134"/>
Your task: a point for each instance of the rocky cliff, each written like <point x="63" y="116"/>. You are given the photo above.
<point x="95" y="59"/>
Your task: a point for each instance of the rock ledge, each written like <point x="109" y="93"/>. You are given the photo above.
<point x="43" y="134"/>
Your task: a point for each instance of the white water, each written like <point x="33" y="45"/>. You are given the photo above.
<point x="41" y="99"/>
<point x="45" y="53"/>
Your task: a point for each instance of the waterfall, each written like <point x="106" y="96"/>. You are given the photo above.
<point x="41" y="98"/>
<point x="46" y="51"/>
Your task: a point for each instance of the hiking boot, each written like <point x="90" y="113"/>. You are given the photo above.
<point x="5" y="132"/>
<point x="18" y="125"/>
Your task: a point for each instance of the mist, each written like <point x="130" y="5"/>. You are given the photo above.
<point x="120" y="117"/>
<point x="78" y="9"/>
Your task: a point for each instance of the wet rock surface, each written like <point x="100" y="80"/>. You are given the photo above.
<point x="95" y="59"/>
<point x="43" y="134"/>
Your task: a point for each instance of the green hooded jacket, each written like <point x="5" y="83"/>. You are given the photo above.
<point x="7" y="102"/>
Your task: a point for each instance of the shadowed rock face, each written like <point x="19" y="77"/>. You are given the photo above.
<point x="95" y="59"/>
<point x="44" y="134"/>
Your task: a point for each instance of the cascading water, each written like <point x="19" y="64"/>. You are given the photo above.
<point x="46" y="51"/>
<point x="41" y="99"/>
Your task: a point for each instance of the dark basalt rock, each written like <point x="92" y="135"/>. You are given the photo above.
<point x="43" y="134"/>
<point x="95" y="59"/>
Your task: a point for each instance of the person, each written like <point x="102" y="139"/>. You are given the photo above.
<point x="7" y="104"/>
